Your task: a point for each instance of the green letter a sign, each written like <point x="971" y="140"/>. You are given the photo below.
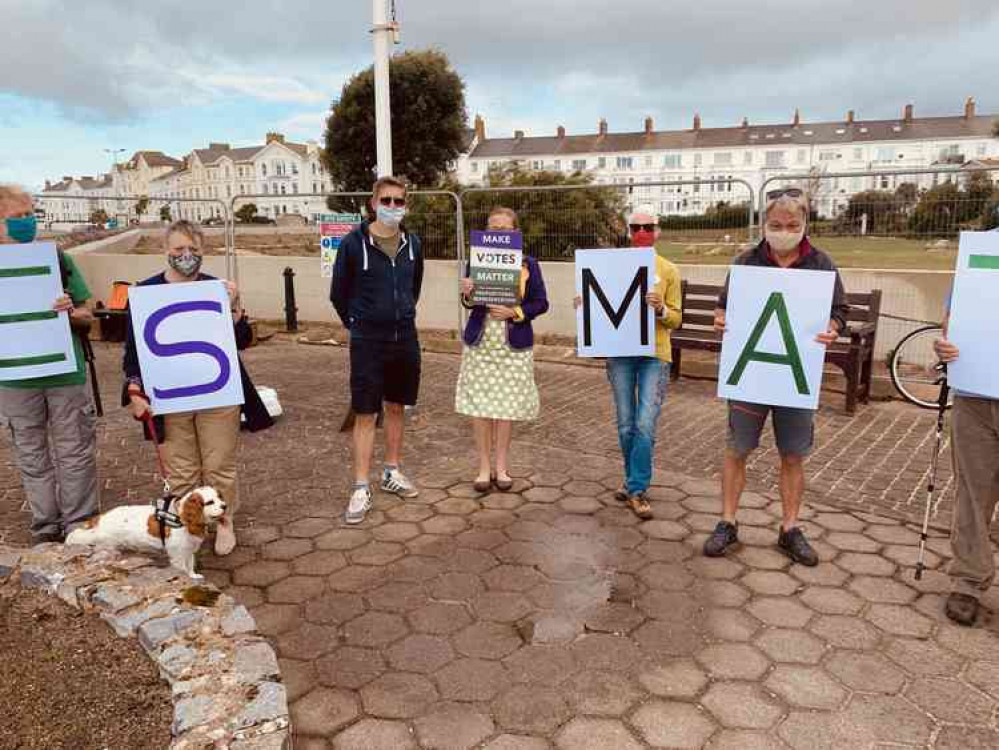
<point x="775" y="306"/>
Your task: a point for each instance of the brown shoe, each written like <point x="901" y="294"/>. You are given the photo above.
<point x="640" y="506"/>
<point x="503" y="485"/>
<point x="482" y="487"/>
<point x="962" y="609"/>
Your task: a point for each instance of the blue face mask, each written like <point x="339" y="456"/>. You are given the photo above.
<point x="22" y="229"/>
<point x="391" y="217"/>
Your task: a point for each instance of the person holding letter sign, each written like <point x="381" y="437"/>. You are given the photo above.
<point x="785" y="246"/>
<point x="199" y="447"/>
<point x="377" y="279"/>
<point x="639" y="383"/>
<point x="51" y="418"/>
<point x="496" y="383"/>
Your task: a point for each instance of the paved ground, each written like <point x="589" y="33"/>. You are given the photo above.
<point x="549" y="617"/>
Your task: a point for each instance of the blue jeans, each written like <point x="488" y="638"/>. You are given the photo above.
<point x="639" y="386"/>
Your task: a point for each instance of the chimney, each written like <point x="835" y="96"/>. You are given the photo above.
<point x="48" y="184"/>
<point x="518" y="134"/>
<point x="649" y="126"/>
<point x="67" y="178"/>
<point x="218" y="147"/>
<point x="745" y="123"/>
<point x="850" y="117"/>
<point x="907" y="113"/>
<point x="480" y="128"/>
<point x="969" y="108"/>
<point x="797" y="117"/>
<point x="560" y="132"/>
<point x="602" y="127"/>
<point x="697" y="122"/>
<point x="272" y="137"/>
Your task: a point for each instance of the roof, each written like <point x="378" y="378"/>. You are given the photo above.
<point x="209" y="156"/>
<point x="172" y="173"/>
<point x="159" y="159"/>
<point x="820" y="133"/>
<point x="58" y="187"/>
<point x="992" y="163"/>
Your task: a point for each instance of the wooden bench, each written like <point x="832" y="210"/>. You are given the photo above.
<point x="853" y="353"/>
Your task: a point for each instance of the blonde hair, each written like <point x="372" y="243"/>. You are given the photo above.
<point x="791" y="203"/>
<point x="187" y="228"/>
<point x="11" y="196"/>
<point x="504" y="211"/>
<point x="388" y="181"/>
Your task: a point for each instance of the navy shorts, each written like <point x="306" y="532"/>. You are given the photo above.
<point x="383" y="371"/>
<point x="794" y="429"/>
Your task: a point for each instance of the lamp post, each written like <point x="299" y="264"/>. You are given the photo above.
<point x="114" y="171"/>
<point x="385" y="31"/>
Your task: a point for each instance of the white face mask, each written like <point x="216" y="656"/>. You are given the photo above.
<point x="784" y="243"/>
<point x="391" y="217"/>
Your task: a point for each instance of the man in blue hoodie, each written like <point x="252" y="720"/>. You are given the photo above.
<point x="376" y="285"/>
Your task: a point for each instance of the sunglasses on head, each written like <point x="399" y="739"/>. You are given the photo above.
<point x="789" y="192"/>
<point x="642" y="227"/>
<point x="387" y="200"/>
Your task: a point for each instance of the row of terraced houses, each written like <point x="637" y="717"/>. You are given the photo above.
<point x="706" y="165"/>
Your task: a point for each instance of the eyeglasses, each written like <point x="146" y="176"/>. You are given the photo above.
<point x="789" y="193"/>
<point x="387" y="200"/>
<point x="642" y="228"/>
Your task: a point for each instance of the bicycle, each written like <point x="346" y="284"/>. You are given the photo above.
<point x="913" y="368"/>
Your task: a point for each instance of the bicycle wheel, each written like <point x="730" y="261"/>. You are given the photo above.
<point x="913" y="368"/>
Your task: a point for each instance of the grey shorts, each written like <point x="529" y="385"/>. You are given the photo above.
<point x="794" y="429"/>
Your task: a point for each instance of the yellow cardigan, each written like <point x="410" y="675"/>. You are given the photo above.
<point x="668" y="285"/>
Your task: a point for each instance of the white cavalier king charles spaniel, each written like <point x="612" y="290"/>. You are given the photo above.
<point x="136" y="527"/>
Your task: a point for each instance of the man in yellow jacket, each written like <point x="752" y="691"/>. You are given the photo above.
<point x="639" y="383"/>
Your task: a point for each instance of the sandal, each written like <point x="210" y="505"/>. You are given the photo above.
<point x="482" y="487"/>
<point x="640" y="506"/>
<point x="503" y="485"/>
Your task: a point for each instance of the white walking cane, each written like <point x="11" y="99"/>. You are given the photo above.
<point x="931" y="489"/>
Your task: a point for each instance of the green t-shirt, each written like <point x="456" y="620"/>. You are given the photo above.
<point x="79" y="293"/>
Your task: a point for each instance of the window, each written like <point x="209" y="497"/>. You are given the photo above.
<point x="538" y="165"/>
<point x="858" y="154"/>
<point x="284" y="189"/>
<point x="775" y="159"/>
<point x="802" y="156"/>
<point x="697" y="159"/>
<point x="263" y="169"/>
<point x="886" y="154"/>
<point x="579" y="165"/>
<point x="747" y="157"/>
<point x="672" y="161"/>
<point x="475" y="169"/>
<point x="294" y="188"/>
<point x="228" y="191"/>
<point x="624" y="162"/>
<point x="648" y="161"/>
<point x="242" y="189"/>
<point x="265" y="188"/>
<point x="602" y="162"/>
<point x="558" y="165"/>
<point x="697" y="186"/>
<point x="228" y="173"/>
<point x="313" y="167"/>
<point x="827" y="155"/>
<point x="723" y="158"/>
<point x="314" y="188"/>
<point x="981" y="149"/>
<point x="884" y="182"/>
<point x="294" y="168"/>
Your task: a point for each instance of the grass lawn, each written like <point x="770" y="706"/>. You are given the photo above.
<point x="848" y="252"/>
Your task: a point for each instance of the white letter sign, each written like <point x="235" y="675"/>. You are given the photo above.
<point x="769" y="352"/>
<point x="35" y="340"/>
<point x="972" y="318"/>
<point x="186" y="346"/>
<point x="614" y="320"/>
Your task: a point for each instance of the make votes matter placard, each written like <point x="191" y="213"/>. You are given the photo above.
<point x="35" y="340"/>
<point x="186" y="345"/>
<point x="973" y="317"/>
<point x="614" y="319"/>
<point x="494" y="267"/>
<point x="769" y="352"/>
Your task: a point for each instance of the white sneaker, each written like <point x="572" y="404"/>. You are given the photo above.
<point x="394" y="481"/>
<point x="359" y="505"/>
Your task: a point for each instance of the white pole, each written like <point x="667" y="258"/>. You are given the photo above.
<point x="383" y="34"/>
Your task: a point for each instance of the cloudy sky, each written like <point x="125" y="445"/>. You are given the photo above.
<point x="78" y="77"/>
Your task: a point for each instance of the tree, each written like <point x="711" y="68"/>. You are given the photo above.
<point x="995" y="129"/>
<point x="885" y="211"/>
<point x="246" y="212"/>
<point x="429" y="123"/>
<point x="99" y="216"/>
<point x="165" y="214"/>
<point x="141" y="206"/>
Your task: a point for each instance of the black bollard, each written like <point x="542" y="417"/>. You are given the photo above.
<point x="290" y="310"/>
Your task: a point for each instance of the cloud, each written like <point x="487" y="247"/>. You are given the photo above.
<point x="309" y="125"/>
<point x="264" y="88"/>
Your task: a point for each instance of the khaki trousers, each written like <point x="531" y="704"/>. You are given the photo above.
<point x="200" y="449"/>
<point x="975" y="429"/>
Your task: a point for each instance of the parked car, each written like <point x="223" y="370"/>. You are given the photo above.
<point x="213" y="221"/>
<point x="262" y="220"/>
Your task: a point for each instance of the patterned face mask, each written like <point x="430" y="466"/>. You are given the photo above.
<point x="188" y="264"/>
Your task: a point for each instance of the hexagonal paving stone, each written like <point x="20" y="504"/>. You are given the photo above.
<point x="374" y="629"/>
<point x="770" y="583"/>
<point x="950" y="701"/>
<point x="307" y="641"/>
<point x="368" y="734"/>
<point x="806" y="687"/>
<point x="440" y="618"/>
<point x="472" y="680"/>
<point x="541" y="664"/>
<point x="842" y="631"/>
<point x="975" y="643"/>
<point x="257" y="536"/>
<point x="323" y="712"/>
<point x="870" y="673"/>
<point x="453" y="727"/>
<point x="274" y="619"/>
<point x="321" y="563"/>
<point x="839" y="522"/>
<point x="333" y="609"/>
<point x="984" y="676"/>
<point x="666" y="577"/>
<point x="487" y="640"/>
<point x="680" y="678"/>
<point x="396" y="532"/>
<point x="409" y="513"/>
<point x="543" y="494"/>
<point x="286" y="549"/>
<point x="501" y="606"/>
<point x="481" y="539"/>
<point x="733" y="661"/>
<point x="580" y="505"/>
<point x="668" y="531"/>
<point x="831" y="601"/>
<point x="850" y="542"/>
<point x="583" y="488"/>
<point x="709" y="487"/>
<point x="883" y="590"/>
<point x="791" y="646"/>
<point x="907" y="556"/>
<point x="398" y="597"/>
<point x="595" y="734"/>
<point x="298" y="677"/>
<point x="350" y="667"/>
<point x="531" y="710"/>
<point x="744" y="739"/>
<point x="780" y="611"/>
<point x="295" y="589"/>
<point x="923" y="657"/>
<point x="715" y="568"/>
<point x="356" y="578"/>
<point x="261" y="573"/>
<point x="308" y="528"/>
<point x="740" y="705"/>
<point x="867" y="721"/>
<point x="674" y="725"/>
<point x="723" y="594"/>
<point x="444" y="525"/>
<point x="899" y="620"/>
<point x="455" y="587"/>
<point x="343" y="539"/>
<point x="730" y="624"/>
<point x="613" y="617"/>
<point x="475" y="561"/>
<point x="763" y="558"/>
<point x="967" y="738"/>
<point x="377" y="553"/>
<point x="598" y="693"/>
<point x="862" y="564"/>
<point x="702" y="522"/>
<point x="420" y="653"/>
<point x="599" y="651"/>
<point x="669" y="638"/>
<point x="820" y="575"/>
<point x="397" y="695"/>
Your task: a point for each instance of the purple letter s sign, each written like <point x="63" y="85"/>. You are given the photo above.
<point x="187" y="347"/>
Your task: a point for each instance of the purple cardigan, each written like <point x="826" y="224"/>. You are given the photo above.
<point x="535" y="303"/>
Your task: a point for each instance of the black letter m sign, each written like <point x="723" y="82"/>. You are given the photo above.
<point x="639" y="287"/>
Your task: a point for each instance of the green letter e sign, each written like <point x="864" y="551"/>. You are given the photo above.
<point x="775" y="306"/>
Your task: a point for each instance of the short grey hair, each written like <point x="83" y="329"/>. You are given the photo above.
<point x="187" y="228"/>
<point x="647" y="209"/>
<point x="791" y="203"/>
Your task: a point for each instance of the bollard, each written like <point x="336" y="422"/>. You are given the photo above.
<point x="290" y="310"/>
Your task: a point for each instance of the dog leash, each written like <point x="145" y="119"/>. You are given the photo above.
<point x="164" y="517"/>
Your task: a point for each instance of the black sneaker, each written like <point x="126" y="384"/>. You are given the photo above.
<point x="621" y="495"/>
<point x="724" y="536"/>
<point x="51" y="537"/>
<point x="793" y="544"/>
<point x="962" y="609"/>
